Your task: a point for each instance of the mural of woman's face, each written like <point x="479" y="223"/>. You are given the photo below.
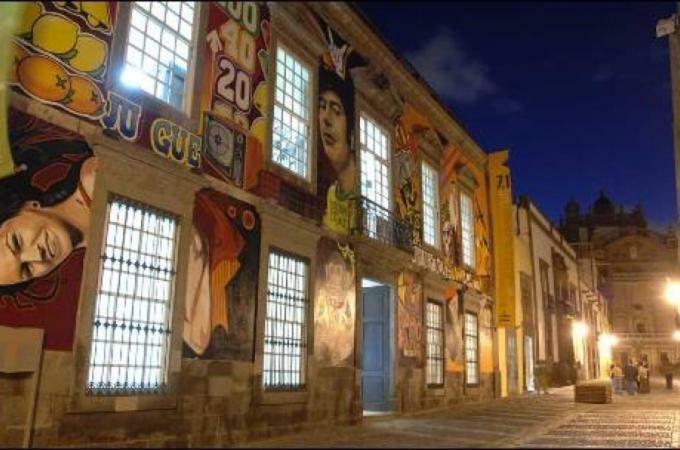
<point x="333" y="128"/>
<point x="33" y="243"/>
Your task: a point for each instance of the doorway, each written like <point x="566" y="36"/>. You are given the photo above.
<point x="512" y="361"/>
<point x="529" y="363"/>
<point x="377" y="347"/>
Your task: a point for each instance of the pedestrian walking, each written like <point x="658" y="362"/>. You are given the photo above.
<point x="643" y="378"/>
<point x="617" y="379"/>
<point x="630" y="375"/>
<point x="667" y="368"/>
<point x="541" y="373"/>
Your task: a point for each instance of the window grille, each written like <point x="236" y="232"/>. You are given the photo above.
<point x="375" y="163"/>
<point x="285" y="323"/>
<point x="471" y="353"/>
<point x="435" y="344"/>
<point x="467" y="230"/>
<point x="131" y="326"/>
<point x="159" y="44"/>
<point x="290" y="129"/>
<point x="430" y="202"/>
<point x="375" y="173"/>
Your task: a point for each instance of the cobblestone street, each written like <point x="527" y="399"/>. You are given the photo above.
<point x="554" y="420"/>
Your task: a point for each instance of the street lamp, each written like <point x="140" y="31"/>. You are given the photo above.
<point x="672" y="293"/>
<point x="579" y="329"/>
<point x="608" y="340"/>
<point x="676" y="335"/>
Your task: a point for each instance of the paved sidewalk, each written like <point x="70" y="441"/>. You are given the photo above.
<point x="554" y="420"/>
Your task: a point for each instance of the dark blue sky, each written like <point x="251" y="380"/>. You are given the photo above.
<point x="580" y="93"/>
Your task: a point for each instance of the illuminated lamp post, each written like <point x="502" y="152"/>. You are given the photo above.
<point x="605" y="343"/>
<point x="579" y="331"/>
<point x="672" y="295"/>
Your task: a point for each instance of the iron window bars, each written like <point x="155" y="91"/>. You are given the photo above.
<point x="435" y="344"/>
<point x="467" y="230"/>
<point x="158" y="48"/>
<point x="286" y="322"/>
<point x="131" y="326"/>
<point x="375" y="163"/>
<point x="471" y="353"/>
<point x="291" y="125"/>
<point x="430" y="205"/>
<point x="381" y="224"/>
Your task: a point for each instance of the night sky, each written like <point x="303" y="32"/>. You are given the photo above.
<point x="580" y="93"/>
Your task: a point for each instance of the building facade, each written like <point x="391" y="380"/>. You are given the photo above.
<point x="563" y="313"/>
<point x="634" y="264"/>
<point x="233" y="220"/>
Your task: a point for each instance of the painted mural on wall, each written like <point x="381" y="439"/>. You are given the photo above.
<point x="61" y="53"/>
<point x="335" y="297"/>
<point x="450" y="218"/>
<point x="486" y="340"/>
<point x="44" y="227"/>
<point x="453" y="332"/>
<point x="336" y="146"/>
<point x="408" y="127"/>
<point x="453" y="162"/>
<point x="235" y="90"/>
<point x="410" y="316"/>
<point x="222" y="279"/>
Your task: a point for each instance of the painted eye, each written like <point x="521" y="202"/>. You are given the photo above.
<point x="16" y="244"/>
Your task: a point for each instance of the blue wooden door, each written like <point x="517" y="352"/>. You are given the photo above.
<point x="376" y="375"/>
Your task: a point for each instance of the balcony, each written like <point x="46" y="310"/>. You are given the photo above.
<point x="378" y="223"/>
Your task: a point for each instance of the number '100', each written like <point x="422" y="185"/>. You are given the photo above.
<point x="233" y="84"/>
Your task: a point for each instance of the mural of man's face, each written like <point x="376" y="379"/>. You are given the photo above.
<point x="333" y="129"/>
<point x="33" y="243"/>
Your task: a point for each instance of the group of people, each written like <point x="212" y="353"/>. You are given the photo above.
<point x="635" y="377"/>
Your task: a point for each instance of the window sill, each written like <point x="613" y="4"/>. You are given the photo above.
<point x="290" y="177"/>
<point x="109" y="403"/>
<point x="283" y="398"/>
<point x="437" y="390"/>
<point x="157" y="107"/>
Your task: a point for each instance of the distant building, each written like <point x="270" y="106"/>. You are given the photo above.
<point x="563" y="313"/>
<point x="633" y="263"/>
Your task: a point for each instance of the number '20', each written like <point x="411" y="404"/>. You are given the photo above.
<point x="233" y="84"/>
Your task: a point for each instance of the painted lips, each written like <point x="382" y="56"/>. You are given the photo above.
<point x="328" y="139"/>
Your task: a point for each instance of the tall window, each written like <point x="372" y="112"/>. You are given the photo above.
<point x="285" y="323"/>
<point x="291" y="124"/>
<point x="471" y="352"/>
<point x="435" y="343"/>
<point x="430" y="202"/>
<point x="160" y="40"/>
<point x="375" y="163"/>
<point x="131" y="327"/>
<point x="467" y="226"/>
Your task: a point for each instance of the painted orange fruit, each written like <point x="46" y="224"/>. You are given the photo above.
<point x="86" y="99"/>
<point x="18" y="53"/>
<point x="43" y="78"/>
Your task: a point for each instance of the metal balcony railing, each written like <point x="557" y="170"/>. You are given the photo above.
<point x="381" y="224"/>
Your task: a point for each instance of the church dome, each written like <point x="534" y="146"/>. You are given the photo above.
<point x="572" y="208"/>
<point x="603" y="206"/>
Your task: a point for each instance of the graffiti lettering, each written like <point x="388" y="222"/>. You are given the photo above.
<point x="247" y="13"/>
<point x="503" y="182"/>
<point x="233" y="85"/>
<point x="122" y="116"/>
<point x="239" y="46"/>
<point x="175" y="143"/>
